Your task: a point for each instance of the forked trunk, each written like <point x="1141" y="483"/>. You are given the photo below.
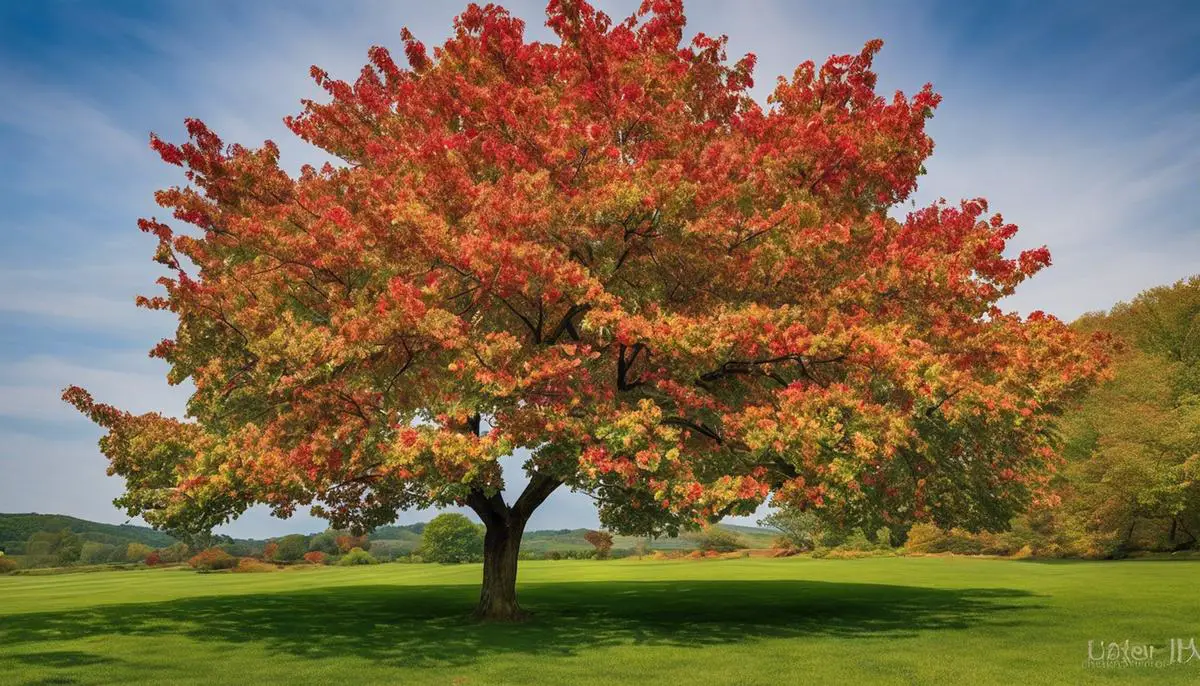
<point x="504" y="526"/>
<point x="498" y="596"/>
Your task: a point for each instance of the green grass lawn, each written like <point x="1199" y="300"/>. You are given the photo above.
<point x="746" y="621"/>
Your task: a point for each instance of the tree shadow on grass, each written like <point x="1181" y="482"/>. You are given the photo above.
<point x="427" y="626"/>
<point x="63" y="658"/>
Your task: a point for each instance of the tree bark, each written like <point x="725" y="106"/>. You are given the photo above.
<point x="498" y="596"/>
<point x="504" y="527"/>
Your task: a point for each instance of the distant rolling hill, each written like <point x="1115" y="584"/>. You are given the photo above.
<point x="15" y="529"/>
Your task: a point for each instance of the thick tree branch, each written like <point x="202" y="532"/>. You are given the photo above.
<point x="625" y="363"/>
<point x="540" y="487"/>
<point x="492" y="509"/>
<point x="567" y="324"/>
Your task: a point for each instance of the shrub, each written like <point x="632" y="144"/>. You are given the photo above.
<point x="7" y="564"/>
<point x="799" y="530"/>
<point x="922" y="538"/>
<point x="602" y="541"/>
<point x="387" y="550"/>
<point x="137" y="552"/>
<point x="315" y="557"/>
<point x="842" y="553"/>
<point x="565" y="555"/>
<point x="325" y="542"/>
<point x="883" y="538"/>
<point x="176" y="552"/>
<point x="718" y="539"/>
<point x="153" y="559"/>
<point x="251" y="565"/>
<point x="450" y="538"/>
<point x="213" y="558"/>
<point x="348" y="542"/>
<point x="357" y="556"/>
<point x="96" y="553"/>
<point x="857" y="541"/>
<point x="290" y="548"/>
<point x="927" y="538"/>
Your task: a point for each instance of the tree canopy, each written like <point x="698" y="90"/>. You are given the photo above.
<point x="1134" y="443"/>
<point x="451" y="537"/>
<point x="602" y="251"/>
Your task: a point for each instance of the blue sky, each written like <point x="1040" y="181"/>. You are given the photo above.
<point x="1079" y="121"/>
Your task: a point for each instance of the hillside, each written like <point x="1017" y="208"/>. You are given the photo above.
<point x="409" y="533"/>
<point x="15" y="530"/>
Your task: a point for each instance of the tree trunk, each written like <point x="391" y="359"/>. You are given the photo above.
<point x="504" y="526"/>
<point x="1128" y="542"/>
<point x="498" y="597"/>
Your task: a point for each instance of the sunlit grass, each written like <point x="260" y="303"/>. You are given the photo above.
<point x="892" y="620"/>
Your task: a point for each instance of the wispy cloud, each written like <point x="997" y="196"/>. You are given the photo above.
<point x="31" y="387"/>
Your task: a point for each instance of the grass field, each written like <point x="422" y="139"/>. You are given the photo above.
<point x="745" y="621"/>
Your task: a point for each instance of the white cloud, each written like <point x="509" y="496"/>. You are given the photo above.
<point x="30" y="388"/>
<point x="97" y="298"/>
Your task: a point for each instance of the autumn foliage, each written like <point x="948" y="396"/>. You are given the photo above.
<point x="213" y="558"/>
<point x="315" y="557"/>
<point x="348" y="542"/>
<point x="604" y="252"/>
<point x="602" y="541"/>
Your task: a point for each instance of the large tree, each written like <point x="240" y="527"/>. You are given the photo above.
<point x="1134" y="443"/>
<point x="601" y="252"/>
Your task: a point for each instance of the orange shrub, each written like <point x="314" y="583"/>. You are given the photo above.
<point x="213" y="558"/>
<point x="249" y="564"/>
<point x="315" y="557"/>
